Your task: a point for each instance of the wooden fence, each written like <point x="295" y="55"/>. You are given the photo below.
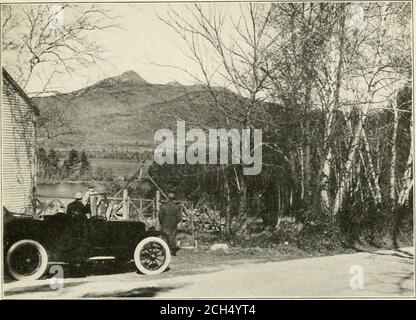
<point x="200" y="217"/>
<point x="110" y="208"/>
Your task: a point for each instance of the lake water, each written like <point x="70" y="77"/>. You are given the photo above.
<point x="120" y="168"/>
<point x="66" y="189"/>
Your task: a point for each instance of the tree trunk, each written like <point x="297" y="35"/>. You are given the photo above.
<point x="345" y="178"/>
<point x="367" y="176"/>
<point x="325" y="169"/>
<point x="228" y="216"/>
<point x="325" y="173"/>
<point x="407" y="181"/>
<point x="392" y="192"/>
<point x="306" y="163"/>
<point x="371" y="170"/>
<point x="243" y="195"/>
<point x="302" y="175"/>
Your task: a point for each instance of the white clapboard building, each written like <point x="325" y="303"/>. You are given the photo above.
<point x="18" y="137"/>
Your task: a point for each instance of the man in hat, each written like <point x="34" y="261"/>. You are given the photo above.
<point x="169" y="217"/>
<point x="77" y="209"/>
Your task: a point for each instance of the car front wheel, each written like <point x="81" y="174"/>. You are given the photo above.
<point x="152" y="256"/>
<point x="27" y="260"/>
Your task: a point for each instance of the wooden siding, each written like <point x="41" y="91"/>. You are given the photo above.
<point x="18" y="153"/>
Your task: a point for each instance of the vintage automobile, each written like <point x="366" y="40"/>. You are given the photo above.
<point x="31" y="244"/>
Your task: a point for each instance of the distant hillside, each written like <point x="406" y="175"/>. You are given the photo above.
<point x="118" y="112"/>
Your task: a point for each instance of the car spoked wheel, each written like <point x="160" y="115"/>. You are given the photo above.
<point x="27" y="260"/>
<point x="152" y="255"/>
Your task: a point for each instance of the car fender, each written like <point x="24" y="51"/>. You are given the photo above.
<point x="152" y="232"/>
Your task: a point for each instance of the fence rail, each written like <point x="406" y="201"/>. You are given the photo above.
<point x="201" y="217"/>
<point x="111" y="208"/>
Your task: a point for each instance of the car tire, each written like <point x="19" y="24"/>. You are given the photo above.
<point x="19" y="260"/>
<point x="152" y="256"/>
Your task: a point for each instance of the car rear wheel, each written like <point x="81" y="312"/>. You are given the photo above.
<point x="152" y="256"/>
<point x="27" y="260"/>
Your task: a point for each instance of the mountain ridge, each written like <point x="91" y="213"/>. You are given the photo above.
<point x="121" y="111"/>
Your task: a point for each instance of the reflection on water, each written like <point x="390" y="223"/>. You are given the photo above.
<point x="66" y="189"/>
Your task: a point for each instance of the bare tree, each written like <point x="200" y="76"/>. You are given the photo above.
<point x="239" y="52"/>
<point x="372" y="80"/>
<point x="40" y="41"/>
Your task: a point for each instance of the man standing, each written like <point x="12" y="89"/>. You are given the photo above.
<point x="79" y="212"/>
<point x="169" y="217"/>
<point x="76" y="209"/>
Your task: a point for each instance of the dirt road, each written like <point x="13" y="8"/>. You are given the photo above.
<point x="380" y="273"/>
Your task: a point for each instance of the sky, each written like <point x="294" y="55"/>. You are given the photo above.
<point x="140" y="41"/>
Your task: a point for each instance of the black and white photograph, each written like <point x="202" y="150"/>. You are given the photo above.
<point x="207" y="150"/>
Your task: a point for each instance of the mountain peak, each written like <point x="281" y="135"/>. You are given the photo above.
<point x="130" y="76"/>
<point x="174" y="84"/>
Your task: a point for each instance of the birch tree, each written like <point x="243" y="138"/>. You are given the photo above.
<point x="370" y="82"/>
<point x="232" y="53"/>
